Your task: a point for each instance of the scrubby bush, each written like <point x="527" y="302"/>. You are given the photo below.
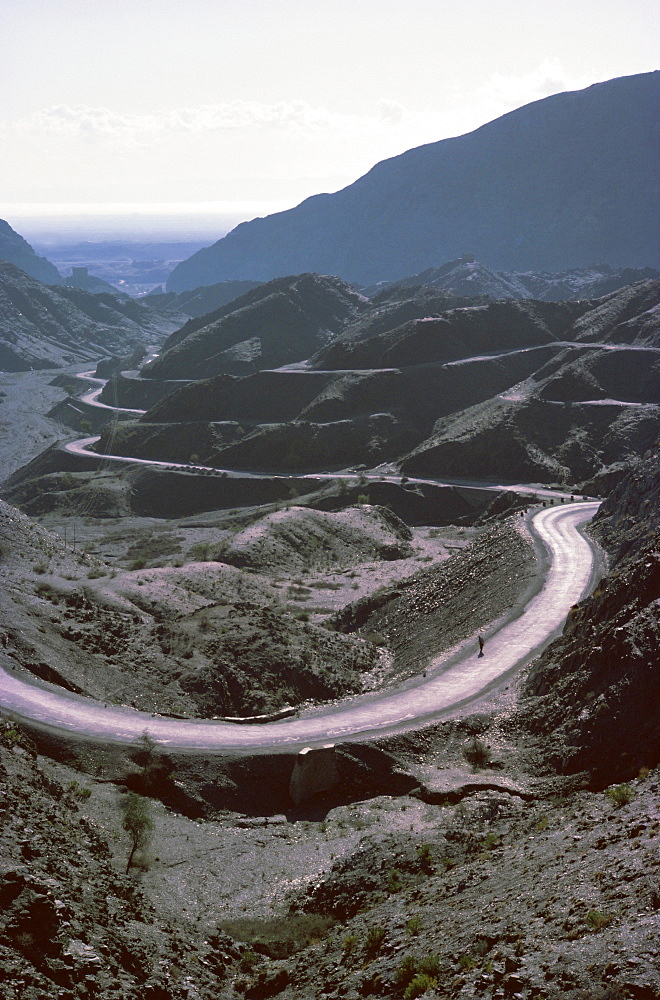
<point x="281" y="937"/>
<point x="420" y="985"/>
<point x="78" y="791"/>
<point x="477" y="753"/>
<point x="374" y="940"/>
<point x="138" y="823"/>
<point x="597" y="919"/>
<point x="394" y="883"/>
<point x="405" y="971"/>
<point x="620" y="795"/>
<point x="349" y="943"/>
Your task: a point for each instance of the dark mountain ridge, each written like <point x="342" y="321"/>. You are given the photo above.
<point x="549" y="392"/>
<point x="281" y="322"/>
<point x="559" y="183"/>
<point x="17" y="251"/>
<point x="467" y="277"/>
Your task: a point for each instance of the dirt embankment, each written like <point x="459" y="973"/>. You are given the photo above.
<point x="443" y="606"/>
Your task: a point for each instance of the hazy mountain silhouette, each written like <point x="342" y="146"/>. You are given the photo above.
<point x="17" y="251"/>
<point x="560" y="183"/>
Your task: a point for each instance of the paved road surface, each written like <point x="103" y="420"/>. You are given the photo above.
<point x="447" y="684"/>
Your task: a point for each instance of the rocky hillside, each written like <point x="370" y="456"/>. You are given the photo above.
<point x="70" y="918"/>
<point x="595" y="691"/>
<point x="200" y="639"/>
<point x="467" y="277"/>
<point x="81" y="278"/>
<point x="536" y="823"/>
<point x="451" y="334"/>
<point x="550" y="392"/>
<point x="523" y="192"/>
<point x="275" y="324"/>
<point x="17" y="251"/>
<point x="297" y="540"/>
<point x="53" y="327"/>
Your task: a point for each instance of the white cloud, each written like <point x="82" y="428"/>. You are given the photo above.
<point x="287" y="116"/>
<point x="507" y="92"/>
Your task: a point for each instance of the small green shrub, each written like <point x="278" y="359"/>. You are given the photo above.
<point x="279" y="937"/>
<point x="414" y="925"/>
<point x="78" y="790"/>
<point x="620" y="795"/>
<point x="466" y="962"/>
<point x="490" y="840"/>
<point x="137" y="564"/>
<point x="248" y="960"/>
<point x="425" y="853"/>
<point x="47" y="592"/>
<point x="9" y="736"/>
<point x="362" y="498"/>
<point x="349" y="943"/>
<point x="597" y="919"/>
<point x="394" y="883"/>
<point x="419" y="986"/>
<point x="430" y="965"/>
<point x="375" y="938"/>
<point x="377" y="638"/>
<point x="405" y="971"/>
<point x="40" y="567"/>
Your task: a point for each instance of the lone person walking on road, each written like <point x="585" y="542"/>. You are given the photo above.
<point x="481" y="646"/>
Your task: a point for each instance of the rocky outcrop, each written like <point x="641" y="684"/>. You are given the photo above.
<point x="205" y="299"/>
<point x="537" y="440"/>
<point x="455" y="334"/>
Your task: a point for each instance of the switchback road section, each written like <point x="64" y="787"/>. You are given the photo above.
<point x="449" y="682"/>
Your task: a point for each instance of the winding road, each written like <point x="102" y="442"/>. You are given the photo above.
<point x="450" y="681"/>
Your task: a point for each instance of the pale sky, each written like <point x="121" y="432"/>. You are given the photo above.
<point x="264" y="102"/>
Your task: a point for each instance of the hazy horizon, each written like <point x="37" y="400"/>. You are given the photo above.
<point x="62" y="224"/>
